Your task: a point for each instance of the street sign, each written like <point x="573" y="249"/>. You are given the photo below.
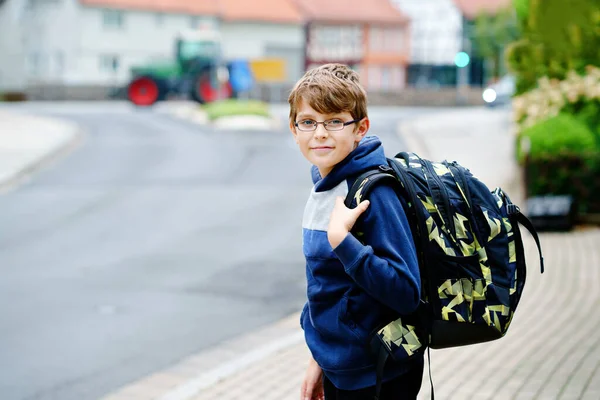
<point x="269" y="70"/>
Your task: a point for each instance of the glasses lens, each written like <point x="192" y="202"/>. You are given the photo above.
<point x="307" y="125"/>
<point x="334" y="124"/>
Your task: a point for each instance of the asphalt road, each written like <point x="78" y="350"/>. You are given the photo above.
<point x="153" y="240"/>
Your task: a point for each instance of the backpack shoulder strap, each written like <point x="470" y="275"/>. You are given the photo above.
<point x="365" y="183"/>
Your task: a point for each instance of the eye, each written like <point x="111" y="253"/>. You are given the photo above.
<point x="307" y="122"/>
<point x="335" y="121"/>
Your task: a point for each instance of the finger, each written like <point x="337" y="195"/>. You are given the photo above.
<point x="303" y="391"/>
<point x="362" y="207"/>
<point x="320" y="395"/>
<point x="308" y="392"/>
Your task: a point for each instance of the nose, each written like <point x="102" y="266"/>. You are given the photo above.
<point x="321" y="132"/>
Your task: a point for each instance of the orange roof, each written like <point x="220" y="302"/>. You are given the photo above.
<point x="364" y="11"/>
<point x="199" y="7"/>
<point x="283" y="11"/>
<point x="471" y="8"/>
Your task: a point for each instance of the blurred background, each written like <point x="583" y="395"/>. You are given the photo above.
<point x="411" y="52"/>
<point x="151" y="195"/>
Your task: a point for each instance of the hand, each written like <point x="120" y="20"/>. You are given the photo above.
<point x="342" y="220"/>
<point x="312" y="386"/>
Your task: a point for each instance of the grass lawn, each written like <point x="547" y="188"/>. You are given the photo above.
<point x="232" y="107"/>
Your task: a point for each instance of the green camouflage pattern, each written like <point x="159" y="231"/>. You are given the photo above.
<point x="476" y="271"/>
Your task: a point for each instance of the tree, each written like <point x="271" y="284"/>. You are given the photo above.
<point x="556" y="37"/>
<point x="491" y="34"/>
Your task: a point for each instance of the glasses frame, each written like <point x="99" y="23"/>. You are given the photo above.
<point x="345" y="124"/>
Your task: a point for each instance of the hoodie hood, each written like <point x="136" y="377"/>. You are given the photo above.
<point x="367" y="155"/>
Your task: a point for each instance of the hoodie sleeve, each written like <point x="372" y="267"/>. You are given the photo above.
<point x="386" y="267"/>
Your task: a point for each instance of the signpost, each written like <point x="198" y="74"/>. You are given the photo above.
<point x="461" y="60"/>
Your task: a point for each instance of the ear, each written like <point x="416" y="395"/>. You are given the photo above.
<point x="362" y="129"/>
<point x="293" y="130"/>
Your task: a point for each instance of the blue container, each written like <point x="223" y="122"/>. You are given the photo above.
<point x="240" y="76"/>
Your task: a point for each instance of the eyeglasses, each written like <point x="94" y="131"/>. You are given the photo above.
<point x="335" y="124"/>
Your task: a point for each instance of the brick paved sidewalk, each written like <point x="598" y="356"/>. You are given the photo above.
<point x="552" y="350"/>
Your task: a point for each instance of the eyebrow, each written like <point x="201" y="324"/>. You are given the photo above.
<point x="310" y="116"/>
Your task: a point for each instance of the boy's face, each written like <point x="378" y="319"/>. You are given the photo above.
<point x="323" y="148"/>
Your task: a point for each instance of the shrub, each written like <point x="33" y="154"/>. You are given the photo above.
<point x="562" y="158"/>
<point x="555" y="38"/>
<point x="13" y="96"/>
<point x="555" y="136"/>
<point x="233" y="107"/>
<point x="577" y="95"/>
<point x="575" y="174"/>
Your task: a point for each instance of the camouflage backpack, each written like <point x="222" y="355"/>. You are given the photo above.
<point x="470" y="252"/>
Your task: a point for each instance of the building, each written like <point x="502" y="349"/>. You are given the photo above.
<point x="469" y="10"/>
<point x="12" y="56"/>
<point x="436" y="34"/>
<point x="264" y="29"/>
<point x="373" y="37"/>
<point x="94" y="43"/>
<point x="90" y="44"/>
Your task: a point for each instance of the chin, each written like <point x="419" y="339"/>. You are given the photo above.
<point x="322" y="165"/>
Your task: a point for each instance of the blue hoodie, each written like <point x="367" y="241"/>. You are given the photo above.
<point x="355" y="288"/>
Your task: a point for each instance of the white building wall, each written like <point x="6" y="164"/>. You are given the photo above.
<point x="436" y="29"/>
<point x="64" y="42"/>
<point x="51" y="37"/>
<point x="12" y="55"/>
<point x="144" y="37"/>
<point x="250" y="40"/>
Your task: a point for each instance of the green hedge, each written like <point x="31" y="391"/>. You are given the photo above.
<point x="563" y="158"/>
<point x="13" y="96"/>
<point x="576" y="174"/>
<point x="561" y="134"/>
<point x="234" y="107"/>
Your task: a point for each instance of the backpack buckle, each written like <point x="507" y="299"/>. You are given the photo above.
<point x="513" y="209"/>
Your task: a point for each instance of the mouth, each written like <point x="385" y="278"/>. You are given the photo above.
<point x="322" y="148"/>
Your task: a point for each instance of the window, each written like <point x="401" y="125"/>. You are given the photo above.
<point x="398" y="77"/>
<point x="374" y="77"/>
<point x="386" y="81"/>
<point x="109" y="63"/>
<point x="60" y="62"/>
<point x="113" y="19"/>
<point x="376" y="39"/>
<point x="34" y="62"/>
<point x="31" y="4"/>
<point x="400" y="45"/>
<point x="159" y="18"/>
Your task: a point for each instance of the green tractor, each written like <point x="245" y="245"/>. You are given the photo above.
<point x="198" y="73"/>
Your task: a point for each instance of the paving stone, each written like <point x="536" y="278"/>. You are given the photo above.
<point x="552" y="349"/>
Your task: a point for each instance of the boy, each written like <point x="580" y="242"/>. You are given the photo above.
<point x="353" y="288"/>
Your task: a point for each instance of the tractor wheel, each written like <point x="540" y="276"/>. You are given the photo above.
<point x="144" y="91"/>
<point x="204" y="92"/>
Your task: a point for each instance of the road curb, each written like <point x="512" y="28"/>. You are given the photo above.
<point x="52" y="155"/>
<point x="189" y="377"/>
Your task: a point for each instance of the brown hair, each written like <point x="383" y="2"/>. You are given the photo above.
<point x="330" y="89"/>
